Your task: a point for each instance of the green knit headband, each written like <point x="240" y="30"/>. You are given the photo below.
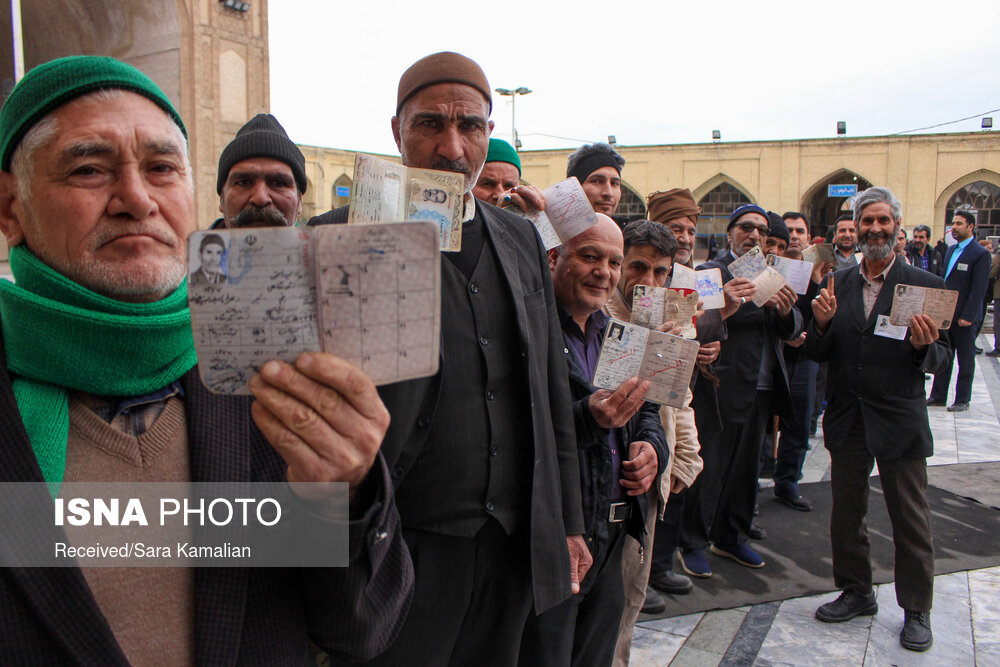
<point x="501" y="151"/>
<point x="49" y="86"/>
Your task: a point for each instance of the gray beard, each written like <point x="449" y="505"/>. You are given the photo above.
<point x="876" y="252"/>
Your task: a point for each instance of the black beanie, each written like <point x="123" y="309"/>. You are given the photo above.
<point x="263" y="136"/>
<point x="777" y="227"/>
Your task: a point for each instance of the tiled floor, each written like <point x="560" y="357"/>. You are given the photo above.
<point x="966" y="615"/>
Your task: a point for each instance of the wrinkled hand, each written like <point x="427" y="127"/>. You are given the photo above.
<point x="964" y="323"/>
<point x="322" y="415"/>
<point x="709" y="352"/>
<point x="923" y="331"/>
<point x="825" y="306"/>
<point x="614" y="409"/>
<point x="783" y="300"/>
<point x="798" y="341"/>
<point x="580" y="561"/>
<point x="737" y="291"/>
<point x="670" y="328"/>
<point x="528" y="198"/>
<point x="639" y="471"/>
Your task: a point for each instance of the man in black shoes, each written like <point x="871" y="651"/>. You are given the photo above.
<point x="877" y="413"/>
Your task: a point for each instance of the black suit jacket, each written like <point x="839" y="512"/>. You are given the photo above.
<point x="748" y="331"/>
<point x="880" y="379"/>
<point x="970" y="281"/>
<point x="242" y="616"/>
<point x="555" y="497"/>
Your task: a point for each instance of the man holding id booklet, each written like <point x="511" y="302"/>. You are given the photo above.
<point x="877" y="413"/>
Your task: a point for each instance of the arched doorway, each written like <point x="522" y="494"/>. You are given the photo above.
<point x="630" y="207"/>
<point x="984" y="200"/>
<point x="821" y="208"/>
<point x="716" y="206"/>
<point x="341" y="193"/>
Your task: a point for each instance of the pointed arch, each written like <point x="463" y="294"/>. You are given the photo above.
<point x="632" y="206"/>
<point x="340" y="193"/>
<point x="717" y="180"/>
<point x="821" y="209"/>
<point x="942" y="204"/>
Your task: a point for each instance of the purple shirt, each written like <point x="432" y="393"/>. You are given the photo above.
<point x="586" y="348"/>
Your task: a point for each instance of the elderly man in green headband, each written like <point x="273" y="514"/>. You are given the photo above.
<point x="98" y="383"/>
<point x="499" y="182"/>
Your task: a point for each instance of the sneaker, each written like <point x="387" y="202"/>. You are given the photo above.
<point x="756" y="532"/>
<point x="654" y="603"/>
<point x="670" y="582"/>
<point x="695" y="563"/>
<point x="916" y="634"/>
<point x="793" y="500"/>
<point x="740" y="553"/>
<point x="847" y="606"/>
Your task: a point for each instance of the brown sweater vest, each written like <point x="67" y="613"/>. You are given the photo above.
<point x="150" y="609"/>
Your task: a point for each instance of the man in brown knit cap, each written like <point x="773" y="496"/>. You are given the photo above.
<point x="483" y="454"/>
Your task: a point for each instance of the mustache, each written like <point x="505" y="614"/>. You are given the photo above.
<point x="107" y="234"/>
<point x="457" y="166"/>
<point x="876" y="236"/>
<point x="258" y="216"/>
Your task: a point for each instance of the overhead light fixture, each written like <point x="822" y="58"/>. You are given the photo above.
<point x="988" y="123"/>
<point x="612" y="140"/>
<point x="716" y="135"/>
<point x="236" y="5"/>
<point x="841" y="127"/>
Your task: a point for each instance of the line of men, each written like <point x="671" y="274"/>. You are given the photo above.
<point x="521" y="495"/>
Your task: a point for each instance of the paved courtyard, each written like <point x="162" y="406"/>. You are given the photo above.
<point x="966" y="615"/>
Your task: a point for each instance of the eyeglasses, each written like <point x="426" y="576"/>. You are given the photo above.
<point x="748" y="227"/>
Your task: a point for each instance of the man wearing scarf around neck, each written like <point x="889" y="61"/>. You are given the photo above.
<point x="98" y="383"/>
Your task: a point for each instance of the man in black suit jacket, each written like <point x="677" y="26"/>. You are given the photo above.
<point x="622" y="449"/>
<point x="753" y="384"/>
<point x="877" y="413"/>
<point x="920" y="252"/>
<point x="103" y="156"/>
<point x="482" y="454"/>
<point x="967" y="270"/>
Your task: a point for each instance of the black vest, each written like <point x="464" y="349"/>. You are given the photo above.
<point x="476" y="461"/>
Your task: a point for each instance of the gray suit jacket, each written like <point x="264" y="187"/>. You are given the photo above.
<point x="555" y="498"/>
<point x="880" y="379"/>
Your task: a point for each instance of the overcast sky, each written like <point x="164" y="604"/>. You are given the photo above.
<point x="663" y="74"/>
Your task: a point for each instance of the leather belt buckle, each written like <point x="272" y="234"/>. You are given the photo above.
<point x="619" y="512"/>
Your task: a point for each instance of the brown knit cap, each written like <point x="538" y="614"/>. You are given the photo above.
<point x="444" y="67"/>
<point x="670" y="205"/>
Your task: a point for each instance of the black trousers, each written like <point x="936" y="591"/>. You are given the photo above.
<point x="471" y="599"/>
<point x="794" y="443"/>
<point x="904" y="483"/>
<point x="963" y="343"/>
<point x="720" y="505"/>
<point x="667" y="533"/>
<point x="582" y="630"/>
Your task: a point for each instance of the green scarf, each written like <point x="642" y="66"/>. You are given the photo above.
<point x="59" y="336"/>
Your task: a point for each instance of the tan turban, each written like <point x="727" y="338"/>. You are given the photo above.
<point x="670" y="205"/>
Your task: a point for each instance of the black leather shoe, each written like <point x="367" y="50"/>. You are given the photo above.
<point x="670" y="582"/>
<point x="756" y="532"/>
<point x="932" y="403"/>
<point x="958" y="407"/>
<point x="979" y="350"/>
<point x="654" y="603"/>
<point x="847" y="606"/>
<point x="916" y="634"/>
<point x="795" y="501"/>
<point x="993" y="353"/>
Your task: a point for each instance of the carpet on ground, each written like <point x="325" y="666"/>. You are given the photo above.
<point x="797" y="548"/>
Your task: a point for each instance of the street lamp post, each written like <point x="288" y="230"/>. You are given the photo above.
<point x="512" y="94"/>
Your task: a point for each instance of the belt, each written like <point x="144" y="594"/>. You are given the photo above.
<point x="619" y="512"/>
